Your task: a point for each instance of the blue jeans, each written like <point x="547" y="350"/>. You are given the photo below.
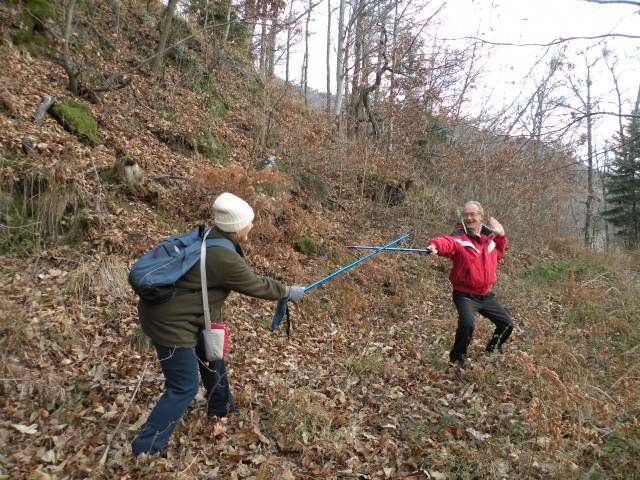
<point x="180" y="368"/>
<point x="487" y="306"/>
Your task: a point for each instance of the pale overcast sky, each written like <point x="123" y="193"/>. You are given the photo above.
<point x="541" y="22"/>
<point x="518" y="22"/>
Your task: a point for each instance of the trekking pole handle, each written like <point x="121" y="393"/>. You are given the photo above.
<point x="347" y="267"/>
<point x="415" y="250"/>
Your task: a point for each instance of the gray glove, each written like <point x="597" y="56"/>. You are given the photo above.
<point x="295" y="294"/>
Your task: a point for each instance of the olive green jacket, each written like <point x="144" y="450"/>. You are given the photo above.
<point x="176" y="323"/>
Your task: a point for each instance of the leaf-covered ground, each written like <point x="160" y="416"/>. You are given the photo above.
<point x="362" y="388"/>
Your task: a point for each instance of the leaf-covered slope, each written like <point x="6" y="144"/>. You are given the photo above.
<point x="362" y="388"/>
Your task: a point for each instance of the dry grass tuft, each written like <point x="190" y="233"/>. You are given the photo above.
<point x="105" y="275"/>
<point x="299" y="420"/>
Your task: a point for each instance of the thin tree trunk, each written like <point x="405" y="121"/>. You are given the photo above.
<point x="69" y="67"/>
<point x="164" y="35"/>
<point x="305" y="63"/>
<point x="590" y="165"/>
<point x="288" y="53"/>
<point x="340" y="70"/>
<point x="392" y="78"/>
<point x="355" y="78"/>
<point x="227" y="27"/>
<point x="271" y="48"/>
<point x="263" y="43"/>
<point x="328" y="57"/>
<point x="250" y="24"/>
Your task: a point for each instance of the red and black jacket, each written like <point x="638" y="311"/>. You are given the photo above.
<point x="475" y="259"/>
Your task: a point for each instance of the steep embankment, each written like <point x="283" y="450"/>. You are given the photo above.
<point x="361" y="389"/>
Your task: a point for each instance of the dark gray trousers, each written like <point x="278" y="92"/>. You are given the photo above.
<point x="468" y="305"/>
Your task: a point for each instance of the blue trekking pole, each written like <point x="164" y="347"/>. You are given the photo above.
<point x="281" y="308"/>
<point x="415" y="250"/>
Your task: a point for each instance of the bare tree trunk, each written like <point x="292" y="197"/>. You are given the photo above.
<point x="164" y="34"/>
<point x="250" y="23"/>
<point x="588" y="240"/>
<point x="329" y="57"/>
<point x="392" y="78"/>
<point x="271" y="48"/>
<point x="357" y="69"/>
<point x="340" y="70"/>
<point x="305" y="63"/>
<point x="290" y="26"/>
<point x="69" y="67"/>
<point x="263" y="43"/>
<point x="587" y="106"/>
<point x="602" y="173"/>
<point x="227" y="27"/>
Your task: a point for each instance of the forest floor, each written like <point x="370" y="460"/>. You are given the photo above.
<point x="360" y="389"/>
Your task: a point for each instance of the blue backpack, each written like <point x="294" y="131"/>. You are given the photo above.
<point x="154" y="276"/>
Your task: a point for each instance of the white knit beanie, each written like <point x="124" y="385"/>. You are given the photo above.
<point x="232" y="213"/>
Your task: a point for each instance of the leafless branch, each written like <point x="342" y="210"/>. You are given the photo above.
<point x="557" y="41"/>
<point x="608" y="2"/>
<point x="106" y="450"/>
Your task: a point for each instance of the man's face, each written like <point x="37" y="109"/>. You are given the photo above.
<point x="472" y="218"/>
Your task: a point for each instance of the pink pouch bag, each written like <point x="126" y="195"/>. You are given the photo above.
<point x="216" y="339"/>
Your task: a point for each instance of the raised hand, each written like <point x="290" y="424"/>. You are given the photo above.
<point x="496" y="227"/>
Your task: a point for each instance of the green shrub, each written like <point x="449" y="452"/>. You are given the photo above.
<point x="555" y="272"/>
<point x="9" y="158"/>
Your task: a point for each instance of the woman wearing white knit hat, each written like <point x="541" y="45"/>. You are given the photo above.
<point x="175" y="326"/>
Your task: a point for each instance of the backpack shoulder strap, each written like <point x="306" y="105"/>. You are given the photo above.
<point x="203" y="279"/>
<point x="221" y="242"/>
<point x="213" y="242"/>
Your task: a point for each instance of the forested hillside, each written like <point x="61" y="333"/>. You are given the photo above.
<point x="105" y="152"/>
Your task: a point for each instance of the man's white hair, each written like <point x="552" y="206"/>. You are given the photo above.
<point x="477" y="204"/>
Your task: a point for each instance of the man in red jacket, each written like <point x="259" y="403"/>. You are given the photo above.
<point x="474" y="251"/>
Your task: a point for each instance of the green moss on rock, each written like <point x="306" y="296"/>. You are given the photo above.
<point x="33" y="36"/>
<point x="307" y="245"/>
<point x="316" y="186"/>
<point x="35" y="13"/>
<point x="218" y="107"/>
<point x="273" y="162"/>
<point x="77" y="119"/>
<point x="212" y="147"/>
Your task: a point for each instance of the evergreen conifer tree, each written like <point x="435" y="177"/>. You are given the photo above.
<point x="623" y="185"/>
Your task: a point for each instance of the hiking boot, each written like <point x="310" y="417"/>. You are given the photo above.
<point x="492" y="348"/>
<point x="231" y="416"/>
<point x="457" y="363"/>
